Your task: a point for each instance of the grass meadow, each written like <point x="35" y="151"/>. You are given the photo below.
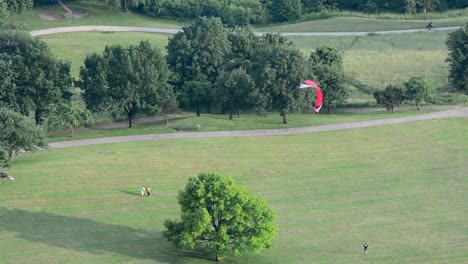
<point x="401" y="189"/>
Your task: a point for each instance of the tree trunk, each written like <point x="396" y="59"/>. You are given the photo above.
<point x="391" y="109"/>
<point x="69" y="11"/>
<point x="417" y="106"/>
<point x="238" y="113"/>
<point x="285" y="120"/>
<point x="198" y="110"/>
<point x="37" y="116"/>
<point x="70" y="131"/>
<point x="328" y="109"/>
<point x="130" y="124"/>
<point x="125" y="4"/>
<point x="230" y="115"/>
<point x="166" y="119"/>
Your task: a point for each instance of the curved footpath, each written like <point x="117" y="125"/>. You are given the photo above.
<point x="460" y="112"/>
<point x="60" y="30"/>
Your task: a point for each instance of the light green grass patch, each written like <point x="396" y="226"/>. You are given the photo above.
<point x="358" y="24"/>
<point x="74" y="47"/>
<point x="401" y="189"/>
<point x="99" y="14"/>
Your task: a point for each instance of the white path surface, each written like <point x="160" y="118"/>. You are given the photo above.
<point x="61" y="30"/>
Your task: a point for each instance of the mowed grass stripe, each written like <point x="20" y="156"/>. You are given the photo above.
<point x="399" y="188"/>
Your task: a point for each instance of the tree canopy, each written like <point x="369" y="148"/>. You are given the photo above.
<point x="33" y="80"/>
<point x="419" y="89"/>
<point x="326" y="67"/>
<point x="18" y="133"/>
<point x="390" y="97"/>
<point x="222" y="217"/>
<point x="457" y="44"/>
<point x="128" y="80"/>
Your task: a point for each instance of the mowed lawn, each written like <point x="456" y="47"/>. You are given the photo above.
<point x="401" y="189"/>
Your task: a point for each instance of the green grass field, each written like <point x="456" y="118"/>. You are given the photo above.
<point x="402" y="189"/>
<point x="217" y="122"/>
<point x="98" y="14"/>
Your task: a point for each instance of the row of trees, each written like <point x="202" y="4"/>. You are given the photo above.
<point x="417" y="90"/>
<point x="209" y="66"/>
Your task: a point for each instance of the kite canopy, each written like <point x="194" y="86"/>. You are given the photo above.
<point x="318" y="102"/>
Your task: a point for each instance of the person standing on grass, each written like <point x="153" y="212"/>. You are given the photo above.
<point x="143" y="190"/>
<point x="365" y="248"/>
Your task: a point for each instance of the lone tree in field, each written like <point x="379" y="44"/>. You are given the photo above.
<point x="457" y="44"/>
<point x="18" y="133"/>
<point x="419" y="89"/>
<point x="68" y="116"/>
<point x="222" y="217"/>
<point x="390" y="97"/>
<point x="128" y="80"/>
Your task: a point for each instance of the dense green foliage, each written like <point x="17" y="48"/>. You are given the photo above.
<point x="19" y="6"/>
<point x="457" y="44"/>
<point x="68" y="116"/>
<point x="326" y="67"/>
<point x="222" y="217"/>
<point x="278" y="67"/>
<point x="390" y="97"/>
<point x="128" y="80"/>
<point x="18" y="133"/>
<point x="32" y="79"/>
<point x="419" y="89"/>
<point x="198" y="54"/>
<point x="242" y="12"/>
<point x="3" y="13"/>
<point x="235" y="91"/>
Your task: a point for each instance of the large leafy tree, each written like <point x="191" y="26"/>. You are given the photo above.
<point x="18" y="133"/>
<point x="197" y="94"/>
<point x="390" y="97"/>
<point x="236" y="90"/>
<point x="33" y="78"/>
<point x="326" y="67"/>
<point x="285" y="10"/>
<point x="19" y="6"/>
<point x="457" y="44"/>
<point x="221" y="216"/>
<point x="128" y="80"/>
<point x="419" y="89"/>
<point x="278" y="68"/>
<point x="199" y="52"/>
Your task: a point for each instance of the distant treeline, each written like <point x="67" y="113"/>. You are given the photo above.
<point x="242" y="12"/>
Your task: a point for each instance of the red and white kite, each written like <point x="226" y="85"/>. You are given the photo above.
<point x="318" y="102"/>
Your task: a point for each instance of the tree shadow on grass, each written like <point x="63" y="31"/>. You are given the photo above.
<point x="93" y="237"/>
<point x="130" y="192"/>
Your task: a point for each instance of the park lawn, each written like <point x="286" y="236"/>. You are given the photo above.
<point x="74" y="47"/>
<point x="99" y="14"/>
<point x="217" y="122"/>
<point x="362" y="24"/>
<point x="401" y="189"/>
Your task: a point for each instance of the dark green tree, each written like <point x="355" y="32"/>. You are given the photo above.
<point x="236" y="90"/>
<point x="419" y="89"/>
<point x="326" y="68"/>
<point x="222" y="217"/>
<point x="198" y="53"/>
<point x="285" y="10"/>
<point x="198" y="94"/>
<point x="4" y="13"/>
<point x="36" y="77"/>
<point x="278" y="68"/>
<point x="19" y="6"/>
<point x="457" y="45"/>
<point x="390" y="97"/>
<point x="18" y="133"/>
<point x="128" y="80"/>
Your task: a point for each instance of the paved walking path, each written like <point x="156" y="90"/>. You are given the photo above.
<point x="60" y="30"/>
<point x="460" y="112"/>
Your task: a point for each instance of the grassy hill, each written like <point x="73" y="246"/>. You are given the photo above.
<point x="401" y="189"/>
